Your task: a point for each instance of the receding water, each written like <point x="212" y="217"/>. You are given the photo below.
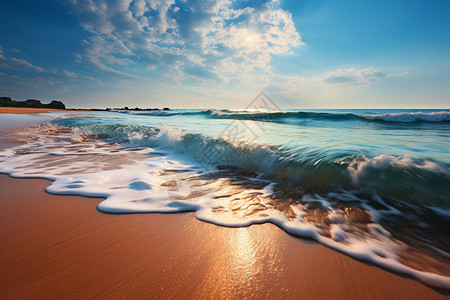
<point x="374" y="184"/>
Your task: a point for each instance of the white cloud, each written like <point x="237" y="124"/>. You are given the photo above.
<point x="205" y="39"/>
<point x="18" y="62"/>
<point x="71" y="74"/>
<point x="139" y="8"/>
<point x="25" y="78"/>
<point x="78" y="57"/>
<point x="14" y="63"/>
<point x="394" y="75"/>
<point x="298" y="88"/>
<point x="357" y="77"/>
<point x="33" y="86"/>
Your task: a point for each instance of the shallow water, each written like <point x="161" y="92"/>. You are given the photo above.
<point x="374" y="184"/>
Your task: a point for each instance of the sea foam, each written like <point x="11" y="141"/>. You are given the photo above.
<point x="144" y="169"/>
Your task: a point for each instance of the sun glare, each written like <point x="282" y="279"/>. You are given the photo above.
<point x="250" y="38"/>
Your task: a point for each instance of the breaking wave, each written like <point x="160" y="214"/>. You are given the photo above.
<point x="389" y="210"/>
<point x="280" y="116"/>
<point x="404" y="177"/>
<point x="409" y="117"/>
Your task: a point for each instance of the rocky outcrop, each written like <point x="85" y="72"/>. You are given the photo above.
<point x="56" y="104"/>
<point x="7" y="101"/>
<point x="33" y="103"/>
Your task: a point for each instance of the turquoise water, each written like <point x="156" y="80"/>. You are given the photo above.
<point x="312" y="148"/>
<point x="374" y="184"/>
<point x="339" y="131"/>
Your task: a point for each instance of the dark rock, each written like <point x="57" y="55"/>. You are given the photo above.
<point x="56" y="104"/>
<point x="33" y="103"/>
<point x="166" y="108"/>
<point x="7" y="101"/>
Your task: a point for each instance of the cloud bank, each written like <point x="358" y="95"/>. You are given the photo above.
<point x="203" y="39"/>
<point x="208" y="53"/>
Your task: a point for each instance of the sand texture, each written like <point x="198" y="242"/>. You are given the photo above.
<point x="62" y="247"/>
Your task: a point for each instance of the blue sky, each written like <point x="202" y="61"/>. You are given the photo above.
<point x="221" y="54"/>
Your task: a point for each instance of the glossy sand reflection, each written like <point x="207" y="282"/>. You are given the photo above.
<point x="72" y="250"/>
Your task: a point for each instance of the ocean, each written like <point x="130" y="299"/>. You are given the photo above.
<point x="373" y="184"/>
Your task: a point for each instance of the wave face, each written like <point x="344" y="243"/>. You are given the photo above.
<point x="403" y="117"/>
<point x="441" y="116"/>
<point x="406" y="117"/>
<point x="389" y="209"/>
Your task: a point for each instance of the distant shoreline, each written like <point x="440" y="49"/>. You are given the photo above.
<point x="26" y="110"/>
<point x="36" y="110"/>
<point x="8" y="102"/>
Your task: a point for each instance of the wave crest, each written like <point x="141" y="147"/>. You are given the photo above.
<point x="352" y="203"/>
<point x="281" y="116"/>
<point x="403" y="178"/>
<point x="410" y="117"/>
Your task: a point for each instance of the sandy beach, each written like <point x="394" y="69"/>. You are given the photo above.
<point x="224" y="149"/>
<point x="62" y="246"/>
<point x="24" y="110"/>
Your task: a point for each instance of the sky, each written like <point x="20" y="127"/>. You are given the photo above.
<point x="222" y="54"/>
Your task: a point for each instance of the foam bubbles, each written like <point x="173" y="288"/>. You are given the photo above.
<point x="157" y="178"/>
<point x="140" y="185"/>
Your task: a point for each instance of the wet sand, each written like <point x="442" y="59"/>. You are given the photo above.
<point x="25" y="110"/>
<point x="61" y="246"/>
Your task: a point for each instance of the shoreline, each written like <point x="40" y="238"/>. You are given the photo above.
<point x="62" y="245"/>
<point x="27" y="110"/>
<point x="34" y="110"/>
